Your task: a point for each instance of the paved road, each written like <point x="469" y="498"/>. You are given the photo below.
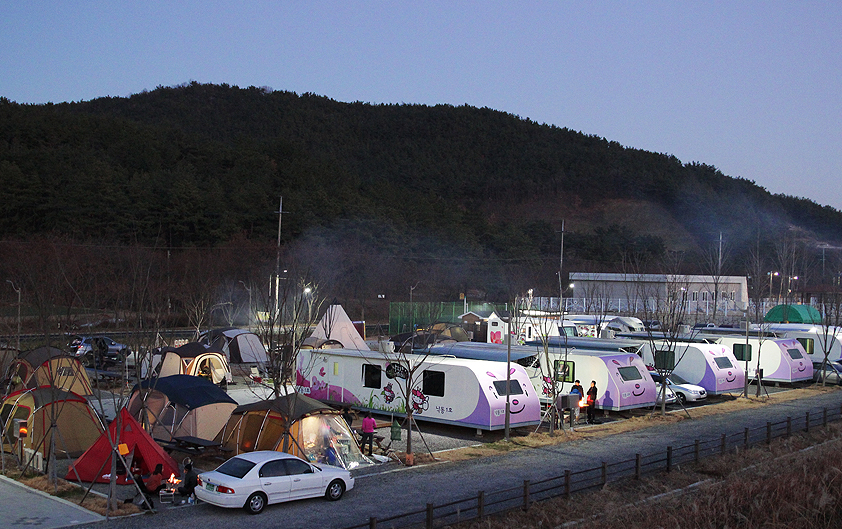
<point x="401" y="490"/>
<point x="24" y="507"/>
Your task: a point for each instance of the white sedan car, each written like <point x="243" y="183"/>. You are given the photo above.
<point x="684" y="391"/>
<point x="256" y="479"/>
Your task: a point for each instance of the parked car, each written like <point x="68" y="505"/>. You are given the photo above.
<point x="684" y="391"/>
<point x="832" y="373"/>
<point x="98" y="350"/>
<point x="671" y="398"/>
<point x="653" y="325"/>
<point x="256" y="479"/>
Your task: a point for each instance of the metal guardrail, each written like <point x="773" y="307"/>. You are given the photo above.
<point x="523" y="496"/>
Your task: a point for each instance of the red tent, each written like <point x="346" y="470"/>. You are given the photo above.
<point x="143" y="450"/>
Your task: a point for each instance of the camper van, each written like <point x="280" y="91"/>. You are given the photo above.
<point x="712" y="366"/>
<point x="621" y="378"/>
<point x="449" y="390"/>
<point x="529" y="328"/>
<point x="811" y="337"/>
<point x="780" y="359"/>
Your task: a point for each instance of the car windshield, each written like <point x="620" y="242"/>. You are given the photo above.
<point x="235" y="467"/>
<point x="677" y="379"/>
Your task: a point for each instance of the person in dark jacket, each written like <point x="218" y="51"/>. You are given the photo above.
<point x="191" y="479"/>
<point x="580" y="391"/>
<point x="592" y="402"/>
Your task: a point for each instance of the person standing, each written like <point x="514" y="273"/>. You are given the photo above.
<point x="368" y="433"/>
<point x="592" y="402"/>
<point x="577" y="389"/>
<point x="348" y="416"/>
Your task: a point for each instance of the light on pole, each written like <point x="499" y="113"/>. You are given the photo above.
<point x="307" y="292"/>
<point x="771" y="274"/>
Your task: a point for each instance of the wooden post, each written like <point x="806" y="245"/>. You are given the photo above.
<point x="807" y="423"/>
<point x="429" y="516"/>
<point x="768" y="432"/>
<point x="481" y="505"/>
<point x="669" y="458"/>
<point x="526" y="495"/>
<point x="745" y="438"/>
<point x="824" y="417"/>
<point x="788" y="426"/>
<point x="372" y="523"/>
<point x="604" y="473"/>
<point x="696" y="450"/>
<point x="722" y="444"/>
<point x="567" y="483"/>
<point x="637" y="465"/>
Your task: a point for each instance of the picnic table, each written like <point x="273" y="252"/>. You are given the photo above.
<point x="191" y="445"/>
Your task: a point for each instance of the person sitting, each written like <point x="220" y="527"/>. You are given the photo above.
<point x="189" y="482"/>
<point x="153" y="484"/>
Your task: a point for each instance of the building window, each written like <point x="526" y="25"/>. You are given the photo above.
<point x="704" y="295"/>
<point x="733" y="294"/>
<point x="694" y="296"/>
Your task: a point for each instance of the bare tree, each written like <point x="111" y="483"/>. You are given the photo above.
<point x="714" y="262"/>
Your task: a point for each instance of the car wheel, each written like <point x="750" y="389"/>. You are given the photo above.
<point x="255" y="503"/>
<point x="335" y="490"/>
<point x="680" y="398"/>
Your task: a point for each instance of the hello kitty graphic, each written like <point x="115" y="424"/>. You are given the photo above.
<point x="547" y="388"/>
<point x="317" y="384"/>
<point x="388" y="393"/>
<point x="419" y="401"/>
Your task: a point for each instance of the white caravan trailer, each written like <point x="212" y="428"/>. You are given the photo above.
<point x="622" y="379"/>
<point x="781" y="359"/>
<point x="812" y="338"/>
<point x="469" y="393"/>
<point x="530" y="328"/>
<point x="711" y="366"/>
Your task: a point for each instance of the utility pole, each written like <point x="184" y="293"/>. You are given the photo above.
<point x="275" y="296"/>
<point x="16" y="289"/>
<point x="560" y="266"/>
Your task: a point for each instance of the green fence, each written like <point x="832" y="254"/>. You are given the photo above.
<point x="403" y="315"/>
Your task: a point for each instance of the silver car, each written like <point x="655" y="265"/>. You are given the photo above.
<point x="684" y="391"/>
<point x="832" y="373"/>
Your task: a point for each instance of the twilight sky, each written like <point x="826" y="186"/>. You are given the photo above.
<point x="751" y="87"/>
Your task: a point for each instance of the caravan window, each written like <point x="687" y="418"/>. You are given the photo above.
<point x="795" y="354"/>
<point x="514" y="387"/>
<point x="722" y="362"/>
<point x="807" y="344"/>
<point x="432" y="383"/>
<point x="371" y="376"/>
<point x="629" y="373"/>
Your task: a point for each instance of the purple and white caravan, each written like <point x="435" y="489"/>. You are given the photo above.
<point x="457" y="391"/>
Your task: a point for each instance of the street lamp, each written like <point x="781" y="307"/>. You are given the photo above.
<point x="307" y="291"/>
<point x="16" y="289"/>
<point x="771" y="274"/>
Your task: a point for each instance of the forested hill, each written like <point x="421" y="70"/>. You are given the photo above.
<point x="199" y="164"/>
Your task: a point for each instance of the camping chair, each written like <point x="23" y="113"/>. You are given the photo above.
<point x="255" y="375"/>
